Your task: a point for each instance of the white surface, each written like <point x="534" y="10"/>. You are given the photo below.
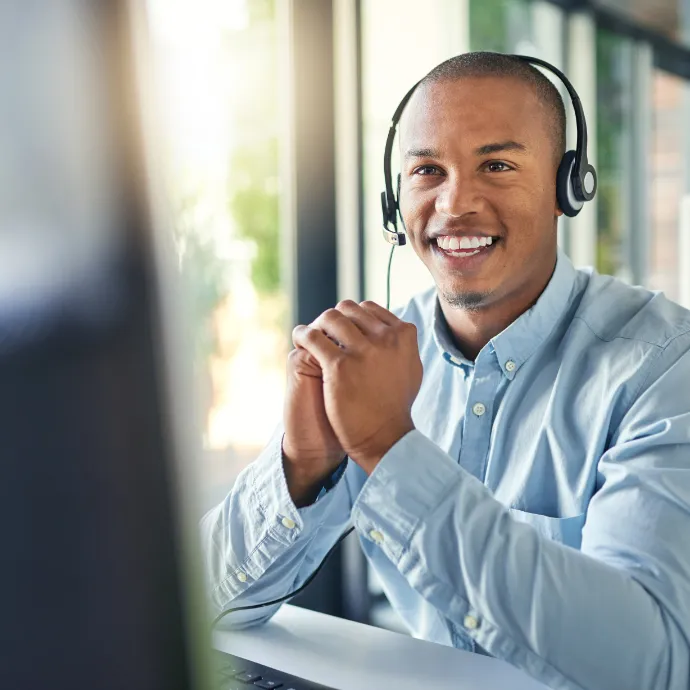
<point x="351" y="656"/>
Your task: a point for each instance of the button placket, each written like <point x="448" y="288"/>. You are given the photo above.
<point x="479" y="409"/>
<point x="477" y="423"/>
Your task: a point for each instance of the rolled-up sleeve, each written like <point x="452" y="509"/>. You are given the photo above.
<point x="258" y="545"/>
<point x="614" y="614"/>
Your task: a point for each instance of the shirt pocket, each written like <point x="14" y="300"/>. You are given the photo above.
<point x="567" y="531"/>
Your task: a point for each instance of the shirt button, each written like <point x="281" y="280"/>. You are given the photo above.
<point x="376" y="536"/>
<point x="242" y="577"/>
<point x="287" y="522"/>
<point x="478" y="409"/>
<point x="471" y="623"/>
<point x="510" y="365"/>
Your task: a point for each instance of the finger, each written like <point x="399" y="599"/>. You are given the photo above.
<point x="340" y="328"/>
<point x="301" y="362"/>
<point x="316" y="343"/>
<point x="366" y="322"/>
<point x="377" y="311"/>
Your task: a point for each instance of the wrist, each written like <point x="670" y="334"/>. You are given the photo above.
<point x="306" y="476"/>
<point x="369" y="455"/>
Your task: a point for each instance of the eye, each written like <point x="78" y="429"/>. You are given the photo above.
<point x="425" y="170"/>
<point x="497" y="166"/>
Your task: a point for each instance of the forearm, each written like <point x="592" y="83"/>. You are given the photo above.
<point x="259" y="546"/>
<point x="568" y="619"/>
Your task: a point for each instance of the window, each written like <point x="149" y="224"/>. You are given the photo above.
<point x="217" y="65"/>
<point x="669" y="171"/>
<point x="615" y="145"/>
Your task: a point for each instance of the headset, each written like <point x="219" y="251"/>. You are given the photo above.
<point x="576" y="180"/>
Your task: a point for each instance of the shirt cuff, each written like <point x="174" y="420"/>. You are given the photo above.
<point x="241" y="551"/>
<point x="273" y="499"/>
<point x="405" y="487"/>
<point x="333" y="480"/>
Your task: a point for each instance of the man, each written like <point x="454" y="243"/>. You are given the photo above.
<point x="531" y="500"/>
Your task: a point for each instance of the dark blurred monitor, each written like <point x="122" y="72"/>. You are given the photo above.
<point x="93" y="561"/>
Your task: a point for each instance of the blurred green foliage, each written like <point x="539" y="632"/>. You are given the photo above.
<point x="254" y="205"/>
<point x="254" y="176"/>
<point x="498" y="25"/>
<point x="610" y="129"/>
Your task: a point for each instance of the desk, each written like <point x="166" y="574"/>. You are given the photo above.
<point x="352" y="656"/>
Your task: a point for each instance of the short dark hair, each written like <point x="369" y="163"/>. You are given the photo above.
<point x="486" y="64"/>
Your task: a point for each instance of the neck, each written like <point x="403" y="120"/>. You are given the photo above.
<point x="473" y="329"/>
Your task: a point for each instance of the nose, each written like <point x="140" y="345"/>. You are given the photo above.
<point x="458" y="196"/>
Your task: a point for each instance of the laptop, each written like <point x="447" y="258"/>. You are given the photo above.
<point x="98" y="575"/>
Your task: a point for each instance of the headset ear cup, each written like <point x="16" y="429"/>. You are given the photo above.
<point x="565" y="194"/>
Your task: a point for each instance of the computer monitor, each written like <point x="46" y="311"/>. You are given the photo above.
<point x="94" y="565"/>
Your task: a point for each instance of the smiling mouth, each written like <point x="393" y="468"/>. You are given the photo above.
<point x="465" y="246"/>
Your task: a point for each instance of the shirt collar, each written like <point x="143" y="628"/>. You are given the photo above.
<point x="451" y="353"/>
<point x="514" y="345"/>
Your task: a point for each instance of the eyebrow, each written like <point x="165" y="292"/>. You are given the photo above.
<point x="500" y="146"/>
<point x="481" y="151"/>
<point x="422" y="153"/>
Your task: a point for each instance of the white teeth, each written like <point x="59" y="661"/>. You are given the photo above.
<point x="448" y="243"/>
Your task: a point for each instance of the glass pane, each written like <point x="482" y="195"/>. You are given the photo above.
<point x="663" y="16"/>
<point x="668" y="175"/>
<point x="614" y="146"/>
<point x="502" y="26"/>
<point x="217" y="66"/>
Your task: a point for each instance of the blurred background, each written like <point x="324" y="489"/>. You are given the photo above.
<point x="273" y="117"/>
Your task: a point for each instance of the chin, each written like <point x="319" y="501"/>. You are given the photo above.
<point x="471" y="300"/>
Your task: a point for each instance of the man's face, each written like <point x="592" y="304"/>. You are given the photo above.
<point x="478" y="191"/>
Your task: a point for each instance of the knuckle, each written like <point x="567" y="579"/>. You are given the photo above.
<point x="409" y="329"/>
<point x="311" y="336"/>
<point x="330" y="314"/>
<point x="345" y="304"/>
<point x="386" y="337"/>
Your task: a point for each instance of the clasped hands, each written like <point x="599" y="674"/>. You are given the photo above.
<point x="352" y="378"/>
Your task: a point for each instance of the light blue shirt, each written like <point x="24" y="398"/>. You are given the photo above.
<point x="540" y="512"/>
